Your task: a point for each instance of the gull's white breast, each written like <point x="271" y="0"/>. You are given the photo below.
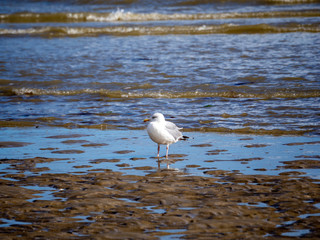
<point x="159" y="134"/>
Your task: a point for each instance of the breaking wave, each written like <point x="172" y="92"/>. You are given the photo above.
<point x="121" y="15"/>
<point x="223" y="93"/>
<point x="161" y="30"/>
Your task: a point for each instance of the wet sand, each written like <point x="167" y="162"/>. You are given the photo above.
<point x="58" y="187"/>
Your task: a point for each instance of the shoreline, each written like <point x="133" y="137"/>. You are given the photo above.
<point x="59" y="183"/>
<point x="128" y="151"/>
<point x="164" y="204"/>
<point x="50" y="123"/>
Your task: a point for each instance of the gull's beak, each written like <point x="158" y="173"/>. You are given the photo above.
<point x="146" y="120"/>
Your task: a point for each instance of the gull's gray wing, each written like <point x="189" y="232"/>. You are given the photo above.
<point x="173" y="130"/>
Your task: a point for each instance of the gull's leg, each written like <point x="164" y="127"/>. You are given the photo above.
<point x="158" y="150"/>
<point x="167" y="151"/>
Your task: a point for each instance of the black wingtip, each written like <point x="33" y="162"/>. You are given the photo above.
<point x="184" y="138"/>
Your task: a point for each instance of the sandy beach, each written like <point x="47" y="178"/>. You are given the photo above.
<point x="59" y="183"/>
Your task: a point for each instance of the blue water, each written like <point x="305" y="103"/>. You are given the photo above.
<point x="235" y="152"/>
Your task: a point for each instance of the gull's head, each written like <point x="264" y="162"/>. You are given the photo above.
<point x="157" y="117"/>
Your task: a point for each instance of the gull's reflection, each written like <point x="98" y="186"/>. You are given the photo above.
<point x="166" y="161"/>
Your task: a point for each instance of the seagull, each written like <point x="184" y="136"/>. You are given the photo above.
<point x="163" y="132"/>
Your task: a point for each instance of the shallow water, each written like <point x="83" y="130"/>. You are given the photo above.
<point x="249" y="67"/>
<point x="89" y="181"/>
<point x="132" y="152"/>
